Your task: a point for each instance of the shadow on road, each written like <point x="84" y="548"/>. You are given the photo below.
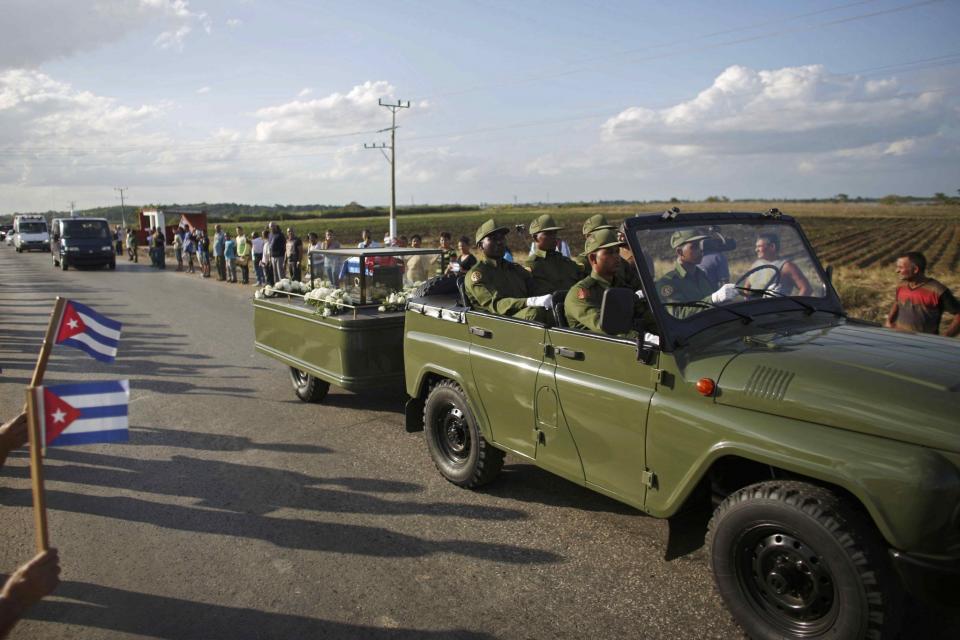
<point x="289" y="533"/>
<point x="117" y="610"/>
<point x="247" y="489"/>
<point x="528" y="483"/>
<point x="198" y="440"/>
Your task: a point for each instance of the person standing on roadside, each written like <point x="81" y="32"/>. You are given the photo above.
<point x="132" y="246"/>
<point x="293" y="252"/>
<point x="230" y="257"/>
<point x="178" y="249"/>
<point x="219" y="239"/>
<point x="159" y="241"/>
<point x="418" y="267"/>
<point x="331" y="264"/>
<point x="365" y="240"/>
<point x="267" y="259"/>
<point x="257" y="245"/>
<point x="278" y="250"/>
<point x="243" y="256"/>
<point x="920" y="301"/>
<point x="203" y="246"/>
<point x="190" y="250"/>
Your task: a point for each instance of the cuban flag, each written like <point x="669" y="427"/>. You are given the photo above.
<point x="83" y="412"/>
<point x="85" y="329"/>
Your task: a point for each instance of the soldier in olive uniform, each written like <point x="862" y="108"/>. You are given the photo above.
<point x="550" y="269"/>
<point x="498" y="286"/>
<point x="593" y="223"/>
<point x="687" y="282"/>
<point x="582" y="304"/>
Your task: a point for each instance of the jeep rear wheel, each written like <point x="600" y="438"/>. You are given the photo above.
<point x="793" y="560"/>
<point x="459" y="451"/>
<point x="307" y="387"/>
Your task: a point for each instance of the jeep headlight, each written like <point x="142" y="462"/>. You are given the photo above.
<point x="106" y="248"/>
<point x="73" y="248"/>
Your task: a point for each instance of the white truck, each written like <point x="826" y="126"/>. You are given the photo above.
<point x="30" y="233"/>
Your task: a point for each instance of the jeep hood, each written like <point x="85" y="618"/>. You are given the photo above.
<point x="876" y="381"/>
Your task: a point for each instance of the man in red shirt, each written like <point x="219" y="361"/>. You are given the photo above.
<point x="920" y="300"/>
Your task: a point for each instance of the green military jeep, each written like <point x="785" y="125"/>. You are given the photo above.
<point x="818" y="456"/>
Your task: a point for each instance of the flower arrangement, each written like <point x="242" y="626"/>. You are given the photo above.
<point x="328" y="300"/>
<point x="397" y="300"/>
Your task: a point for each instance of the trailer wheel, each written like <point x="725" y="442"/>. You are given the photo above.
<point x="307" y="387"/>
<point x="793" y="560"/>
<point x="459" y="451"/>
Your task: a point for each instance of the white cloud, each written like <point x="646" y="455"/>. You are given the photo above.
<point x="308" y="121"/>
<point x="33" y="32"/>
<point x="795" y="131"/>
<point x="203" y="90"/>
<point x="789" y="110"/>
<point x="233" y="23"/>
<point x="304" y="92"/>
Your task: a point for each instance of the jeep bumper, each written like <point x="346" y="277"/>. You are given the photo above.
<point x="932" y="579"/>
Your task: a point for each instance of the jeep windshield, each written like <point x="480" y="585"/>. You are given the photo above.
<point x="86" y="230"/>
<point x="708" y="268"/>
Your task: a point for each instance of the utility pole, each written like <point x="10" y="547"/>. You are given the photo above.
<point x="72" y="203"/>
<point x="393" y="157"/>
<point x="123" y="217"/>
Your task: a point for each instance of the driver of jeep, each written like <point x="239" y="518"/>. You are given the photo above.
<point x="687" y="282"/>
<point x="791" y="280"/>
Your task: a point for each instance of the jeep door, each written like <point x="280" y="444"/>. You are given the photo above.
<point x="505" y="356"/>
<point x="604" y="394"/>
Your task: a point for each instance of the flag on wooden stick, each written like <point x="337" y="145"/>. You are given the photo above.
<point x="82" y="413"/>
<point x="83" y="328"/>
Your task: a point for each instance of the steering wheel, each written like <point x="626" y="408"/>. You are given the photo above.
<point x="773" y="282"/>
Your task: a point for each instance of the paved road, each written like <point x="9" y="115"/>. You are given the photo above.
<point x="237" y="511"/>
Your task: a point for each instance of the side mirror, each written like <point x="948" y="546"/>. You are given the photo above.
<point x="616" y="310"/>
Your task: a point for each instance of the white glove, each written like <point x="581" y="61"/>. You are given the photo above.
<point x="545" y="301"/>
<point x="640" y="295"/>
<point x="650" y="338"/>
<point x="726" y="293"/>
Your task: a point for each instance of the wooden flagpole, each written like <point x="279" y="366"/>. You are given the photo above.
<point x="52" y="327"/>
<point x="36" y="473"/>
<point x="37" y="443"/>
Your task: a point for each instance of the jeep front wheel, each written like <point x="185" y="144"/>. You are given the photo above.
<point x="459" y="451"/>
<point x="793" y="560"/>
<point x="307" y="387"/>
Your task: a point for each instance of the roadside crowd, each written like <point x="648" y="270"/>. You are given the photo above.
<point x="270" y="255"/>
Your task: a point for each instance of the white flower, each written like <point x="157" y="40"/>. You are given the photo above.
<point x="381" y="308"/>
<point x="326" y="312"/>
<point x="268" y="291"/>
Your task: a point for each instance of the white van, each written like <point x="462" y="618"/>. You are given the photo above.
<point x="30" y="233"/>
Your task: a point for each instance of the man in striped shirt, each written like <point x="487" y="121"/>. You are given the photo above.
<point x="921" y="301"/>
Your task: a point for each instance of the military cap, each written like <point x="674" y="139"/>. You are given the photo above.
<point x="544" y="223"/>
<point x="683" y="236"/>
<point x="593" y="223"/>
<point x="601" y="240"/>
<point x="487" y="228"/>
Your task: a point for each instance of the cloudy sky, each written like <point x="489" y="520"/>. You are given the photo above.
<point x="261" y="101"/>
